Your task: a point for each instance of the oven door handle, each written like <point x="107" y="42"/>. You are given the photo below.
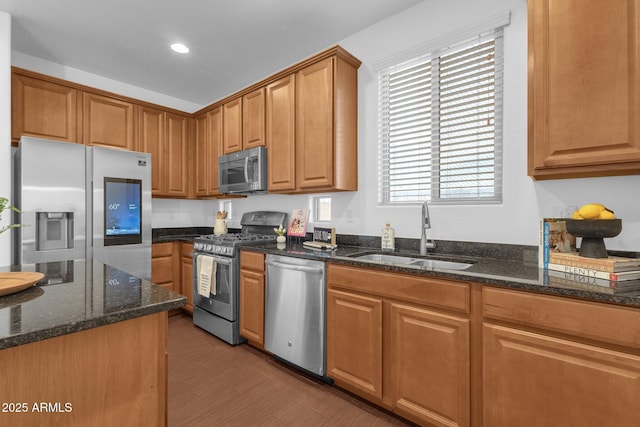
<point x="218" y="260"/>
<point x="295" y="267"/>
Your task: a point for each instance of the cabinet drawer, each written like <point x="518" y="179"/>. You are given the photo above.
<point x="161" y="249"/>
<point x="421" y="290"/>
<point x="601" y="322"/>
<point x="186" y="249"/>
<point x="252" y="261"/>
<point x="161" y="270"/>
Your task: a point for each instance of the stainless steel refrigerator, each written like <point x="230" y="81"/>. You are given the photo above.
<point x="82" y="202"/>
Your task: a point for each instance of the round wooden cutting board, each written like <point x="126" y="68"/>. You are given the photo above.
<point x="16" y="281"/>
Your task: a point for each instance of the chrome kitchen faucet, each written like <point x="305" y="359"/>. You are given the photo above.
<point x="425" y="244"/>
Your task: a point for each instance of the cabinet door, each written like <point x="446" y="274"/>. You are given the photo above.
<point x="215" y="148"/>
<point x="201" y="156"/>
<point x="314" y="126"/>
<point x="232" y="129"/>
<point x="584" y="88"/>
<point x="533" y="379"/>
<point x="108" y="122"/>
<point x="44" y="110"/>
<point x="151" y="137"/>
<point x="176" y="155"/>
<point x="163" y="265"/>
<point x="253" y="119"/>
<point x="208" y="148"/>
<point x="281" y="116"/>
<point x="429" y="366"/>
<point x="186" y="275"/>
<point x="252" y="306"/>
<point x="354" y="342"/>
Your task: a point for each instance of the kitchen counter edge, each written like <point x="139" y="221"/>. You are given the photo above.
<point x="160" y="300"/>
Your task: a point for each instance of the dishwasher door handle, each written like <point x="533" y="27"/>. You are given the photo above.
<point x="296" y="267"/>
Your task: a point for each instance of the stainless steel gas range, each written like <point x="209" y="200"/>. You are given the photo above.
<point x="216" y="270"/>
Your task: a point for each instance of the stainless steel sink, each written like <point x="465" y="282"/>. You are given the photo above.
<point x="417" y="262"/>
<point x="392" y="259"/>
<point x="438" y="263"/>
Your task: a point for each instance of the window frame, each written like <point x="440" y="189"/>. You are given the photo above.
<point x="431" y="53"/>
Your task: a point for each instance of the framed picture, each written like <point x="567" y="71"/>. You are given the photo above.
<point x="298" y="223"/>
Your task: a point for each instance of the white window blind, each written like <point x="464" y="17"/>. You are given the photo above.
<point x="440" y="125"/>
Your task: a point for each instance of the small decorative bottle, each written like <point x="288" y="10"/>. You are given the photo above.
<point x="388" y="240"/>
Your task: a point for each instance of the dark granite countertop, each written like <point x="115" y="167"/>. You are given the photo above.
<point x="74" y="296"/>
<point x="519" y="273"/>
<point x="178" y="234"/>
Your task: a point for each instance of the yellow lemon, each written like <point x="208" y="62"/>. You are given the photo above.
<point x="576" y="215"/>
<point x="590" y="211"/>
<point x="607" y="214"/>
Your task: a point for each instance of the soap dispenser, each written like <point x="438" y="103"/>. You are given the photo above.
<point x="388" y="239"/>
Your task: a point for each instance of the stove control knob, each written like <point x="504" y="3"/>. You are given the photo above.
<point x="196" y="246"/>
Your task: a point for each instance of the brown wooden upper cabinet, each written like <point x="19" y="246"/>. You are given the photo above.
<point x="165" y="136"/>
<point x="584" y="88"/>
<point x="108" y="122"/>
<point x="232" y="129"/>
<point x="312" y="117"/>
<point x="44" y="109"/>
<point x="253" y="121"/>
<point x="244" y="122"/>
<point x="280" y="134"/>
<point x="208" y="148"/>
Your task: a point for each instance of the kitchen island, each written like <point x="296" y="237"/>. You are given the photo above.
<point x="84" y="346"/>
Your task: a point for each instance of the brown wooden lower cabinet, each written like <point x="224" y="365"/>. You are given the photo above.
<point x="171" y="268"/>
<point x="163" y="266"/>
<point x="536" y="380"/>
<point x="354" y="341"/>
<point x="429" y="365"/>
<point x="419" y="346"/>
<point x="412" y="359"/>
<point x="186" y="275"/>
<point x="553" y="361"/>
<point x="252" y="290"/>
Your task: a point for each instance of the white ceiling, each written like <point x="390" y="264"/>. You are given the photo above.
<point x="233" y="43"/>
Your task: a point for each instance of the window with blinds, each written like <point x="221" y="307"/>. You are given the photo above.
<point x="440" y="125"/>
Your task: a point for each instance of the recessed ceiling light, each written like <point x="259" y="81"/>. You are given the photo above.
<point x="180" y="48"/>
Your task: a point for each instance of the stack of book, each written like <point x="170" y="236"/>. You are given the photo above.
<point x="613" y="274"/>
<point x="554" y="238"/>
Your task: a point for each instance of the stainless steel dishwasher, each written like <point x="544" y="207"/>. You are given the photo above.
<point x="294" y="328"/>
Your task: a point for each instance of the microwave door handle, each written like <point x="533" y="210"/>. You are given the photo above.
<point x="246" y="169"/>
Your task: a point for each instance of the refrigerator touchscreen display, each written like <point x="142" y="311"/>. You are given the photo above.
<point x="122" y="211"/>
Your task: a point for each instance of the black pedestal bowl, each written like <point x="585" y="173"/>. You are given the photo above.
<point x="593" y="233"/>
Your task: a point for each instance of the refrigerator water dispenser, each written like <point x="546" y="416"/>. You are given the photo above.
<point x="54" y="231"/>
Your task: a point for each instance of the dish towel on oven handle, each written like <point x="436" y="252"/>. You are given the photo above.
<point x="206" y="270"/>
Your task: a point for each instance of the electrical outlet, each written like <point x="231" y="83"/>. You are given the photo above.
<point x="349" y="215"/>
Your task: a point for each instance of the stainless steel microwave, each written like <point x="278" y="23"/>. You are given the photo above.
<point x="243" y="171"/>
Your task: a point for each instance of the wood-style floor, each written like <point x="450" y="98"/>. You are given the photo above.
<point x="214" y="384"/>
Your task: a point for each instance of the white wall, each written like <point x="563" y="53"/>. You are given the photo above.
<point x="525" y="201"/>
<point x="5" y="130"/>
